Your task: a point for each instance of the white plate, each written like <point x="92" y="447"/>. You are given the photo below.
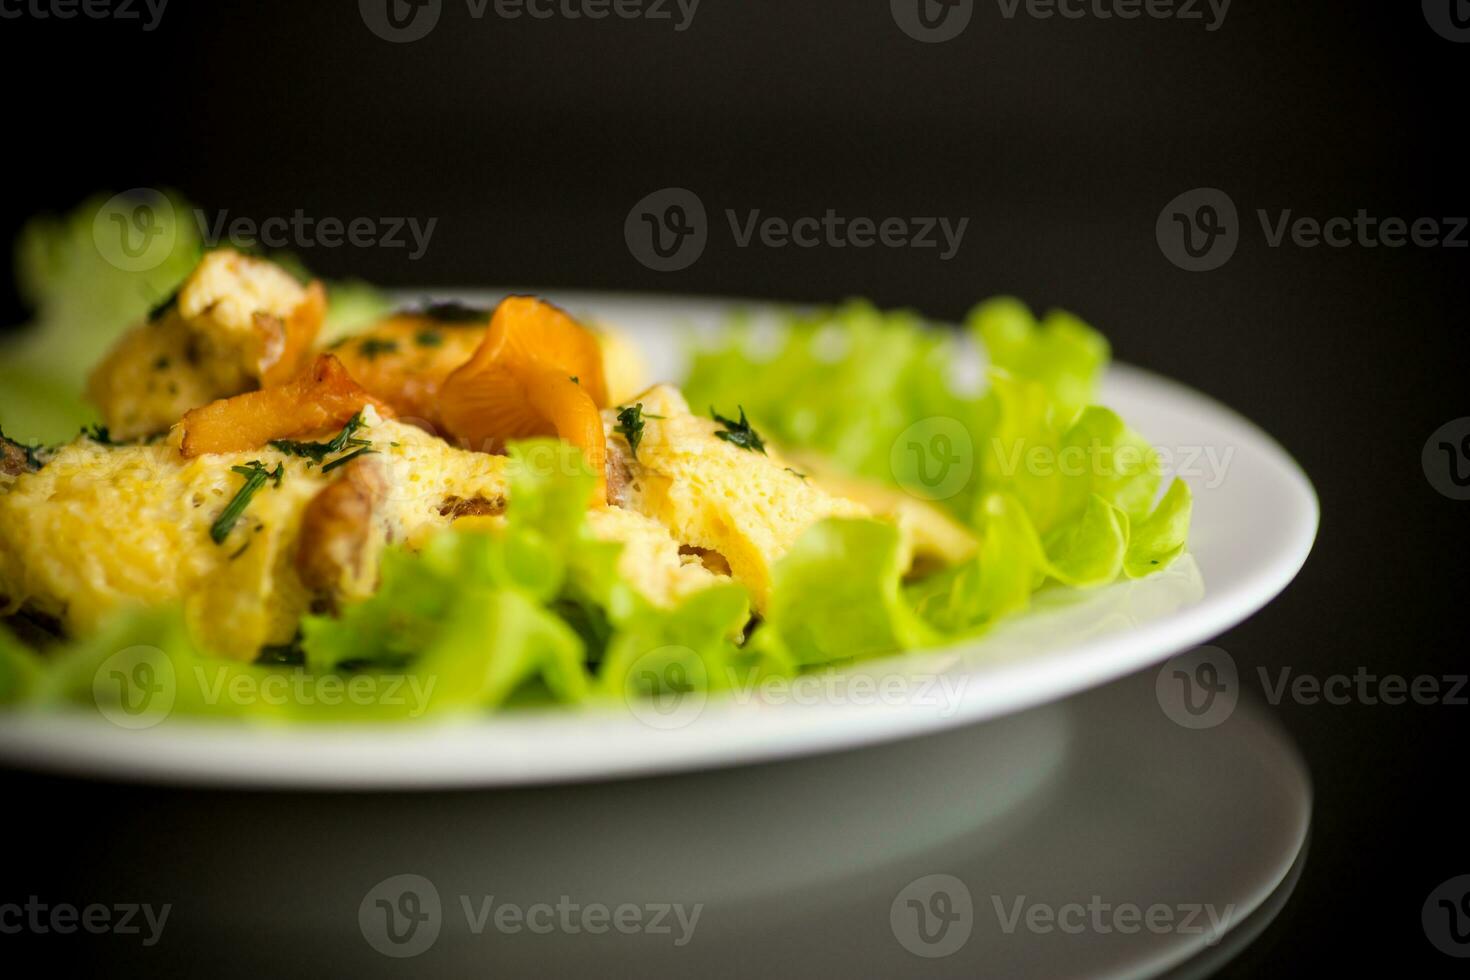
<point x="1255" y="519"/>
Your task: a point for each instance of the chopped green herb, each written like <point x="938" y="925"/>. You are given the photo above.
<point x="429" y="338"/>
<point x="344" y="460"/>
<point x="373" y="346"/>
<point x="799" y="476"/>
<point x="255" y="475"/>
<point x="630" y="425"/>
<point x="163" y="309"/>
<point x="99" y="434"/>
<point x="739" y="433"/>
<point x="576" y="380"/>
<point x="161" y="364"/>
<point x="318" y="451"/>
<point x="282" y="654"/>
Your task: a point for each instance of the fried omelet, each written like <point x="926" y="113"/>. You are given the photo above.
<point x="235" y="324"/>
<point x="97" y="525"/>
<point x="737" y="508"/>
<point x="104" y="526"/>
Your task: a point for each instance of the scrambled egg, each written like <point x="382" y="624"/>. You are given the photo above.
<point x="95" y="526"/>
<point x="100" y="527"/>
<point x="735" y="507"/>
<point x="217" y="337"/>
<point x="931" y="536"/>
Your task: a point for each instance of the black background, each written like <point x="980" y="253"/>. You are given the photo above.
<point x="1061" y="140"/>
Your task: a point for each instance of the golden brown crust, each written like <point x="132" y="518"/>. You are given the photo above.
<point x="14" y="460"/>
<point x="455" y="507"/>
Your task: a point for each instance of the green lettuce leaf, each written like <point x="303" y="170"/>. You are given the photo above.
<point x="1060" y="489"/>
<point x="837" y="595"/>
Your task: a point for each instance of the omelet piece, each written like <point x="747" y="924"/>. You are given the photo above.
<point x="237" y="322"/>
<point x="932" y="537"/>
<point x="101" y="527"/>
<point x="651" y="560"/>
<point x="729" y="506"/>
